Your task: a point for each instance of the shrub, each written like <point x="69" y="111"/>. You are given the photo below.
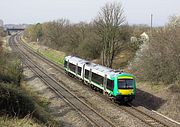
<point x="158" y="60"/>
<point x="15" y="102"/>
<point x="10" y="68"/>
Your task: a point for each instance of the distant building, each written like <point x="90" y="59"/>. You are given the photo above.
<point x="16" y="26"/>
<point x="1" y="23"/>
<point x="144" y="37"/>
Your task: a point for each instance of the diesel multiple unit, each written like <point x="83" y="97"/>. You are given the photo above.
<point x="116" y="84"/>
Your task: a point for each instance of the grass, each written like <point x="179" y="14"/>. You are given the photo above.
<point x="42" y="111"/>
<point x="42" y="101"/>
<point x="54" y="55"/>
<point x="6" y="121"/>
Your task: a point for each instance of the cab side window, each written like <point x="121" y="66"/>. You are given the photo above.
<point x="110" y="84"/>
<point x="72" y="67"/>
<point x="65" y="64"/>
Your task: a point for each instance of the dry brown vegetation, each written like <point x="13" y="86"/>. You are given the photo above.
<point x="107" y="38"/>
<point x="2" y="34"/>
<point x="14" y="102"/>
<point x="0" y="45"/>
<point x="158" y="60"/>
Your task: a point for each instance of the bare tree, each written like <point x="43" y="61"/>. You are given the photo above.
<point x="54" y="32"/>
<point x="108" y="24"/>
<point x="174" y="21"/>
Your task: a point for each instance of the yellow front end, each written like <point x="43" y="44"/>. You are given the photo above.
<point x="126" y="91"/>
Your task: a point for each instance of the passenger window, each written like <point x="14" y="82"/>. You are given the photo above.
<point x="87" y="74"/>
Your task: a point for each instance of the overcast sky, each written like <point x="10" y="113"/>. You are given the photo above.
<point x="136" y="11"/>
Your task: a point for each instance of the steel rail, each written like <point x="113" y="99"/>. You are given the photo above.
<point x="151" y="120"/>
<point x="75" y="102"/>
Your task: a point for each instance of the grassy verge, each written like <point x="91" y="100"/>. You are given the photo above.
<point x="6" y="121"/>
<point x="54" y="55"/>
<point x="41" y="106"/>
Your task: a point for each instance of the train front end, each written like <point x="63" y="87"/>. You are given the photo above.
<point x="125" y="87"/>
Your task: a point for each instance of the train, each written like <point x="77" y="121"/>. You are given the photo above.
<point x="116" y="84"/>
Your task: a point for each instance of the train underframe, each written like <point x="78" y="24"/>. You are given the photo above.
<point x="125" y="98"/>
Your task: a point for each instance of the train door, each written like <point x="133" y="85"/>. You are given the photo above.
<point x="68" y="64"/>
<point x="90" y="75"/>
<point x="76" y="71"/>
<point x="105" y="84"/>
<point x="83" y="71"/>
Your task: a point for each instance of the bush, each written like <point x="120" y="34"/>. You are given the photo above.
<point x="6" y="121"/>
<point x="15" y="102"/>
<point x="10" y="68"/>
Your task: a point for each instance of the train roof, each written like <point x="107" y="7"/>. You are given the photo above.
<point x="75" y="59"/>
<point x="104" y="70"/>
<point x="97" y="67"/>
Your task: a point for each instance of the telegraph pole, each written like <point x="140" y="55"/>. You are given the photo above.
<point x="151" y="22"/>
<point x="151" y="27"/>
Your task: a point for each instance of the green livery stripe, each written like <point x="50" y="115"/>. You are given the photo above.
<point x="86" y="79"/>
<point x="109" y="91"/>
<point x="73" y="73"/>
<point x="97" y="85"/>
<point x="125" y="77"/>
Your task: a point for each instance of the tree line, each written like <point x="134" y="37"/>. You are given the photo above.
<point x="103" y="38"/>
<point x="155" y="60"/>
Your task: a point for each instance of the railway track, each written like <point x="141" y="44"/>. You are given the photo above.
<point x="145" y="117"/>
<point x="149" y="118"/>
<point x="85" y="110"/>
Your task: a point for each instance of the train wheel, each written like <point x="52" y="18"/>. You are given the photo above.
<point x="92" y="87"/>
<point x="113" y="99"/>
